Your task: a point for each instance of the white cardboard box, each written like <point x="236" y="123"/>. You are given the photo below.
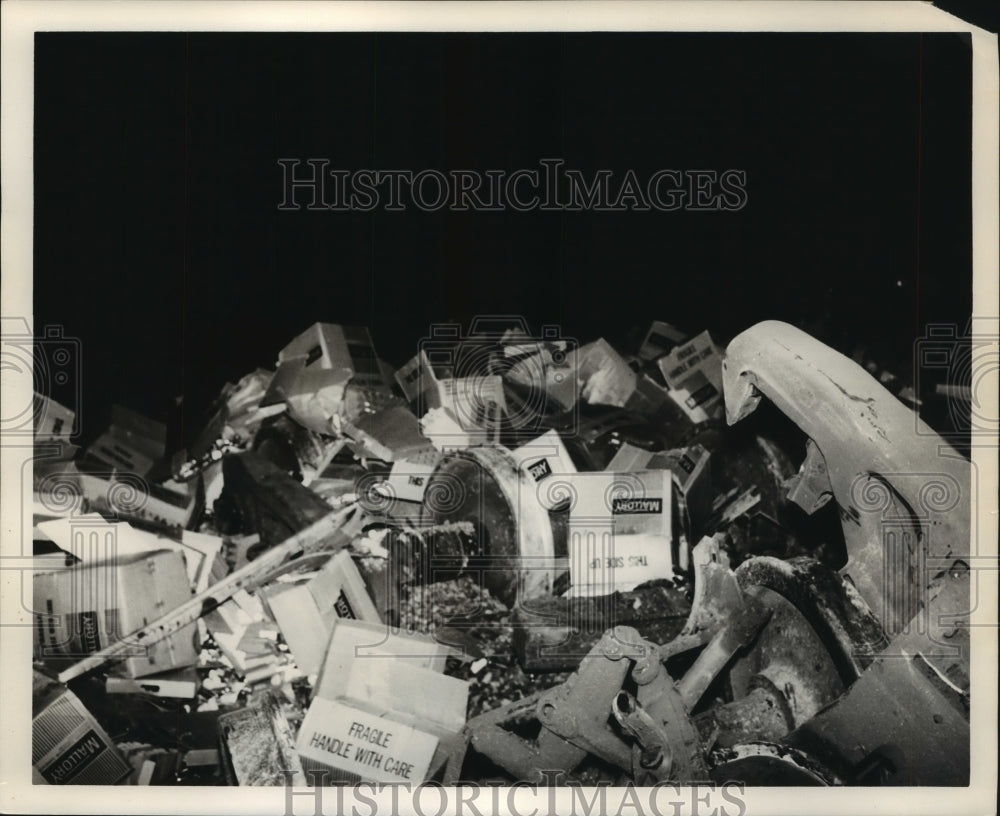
<point x="305" y="611"/>
<point x="547" y="462"/>
<point x="387" y="724"/>
<point x="620" y="531"/>
<point x="82" y="609"/>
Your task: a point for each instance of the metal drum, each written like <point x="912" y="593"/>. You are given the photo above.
<point x="515" y="551"/>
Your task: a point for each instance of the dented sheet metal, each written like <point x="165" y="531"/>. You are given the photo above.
<point x="903" y="493"/>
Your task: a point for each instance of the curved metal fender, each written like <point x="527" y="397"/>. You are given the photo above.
<point x="903" y="492"/>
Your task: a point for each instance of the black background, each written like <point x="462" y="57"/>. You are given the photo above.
<point x="159" y="244"/>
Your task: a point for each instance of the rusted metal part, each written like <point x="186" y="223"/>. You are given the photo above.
<point x="772" y="765"/>
<point x="553" y="634"/>
<point x="848" y="630"/>
<point x="810" y="488"/>
<point x="717" y="597"/>
<point x="761" y="715"/>
<point x="899" y="724"/>
<point x="657" y="693"/>
<point x="905" y="721"/>
<point x="578" y="710"/>
<point x="903" y="493"/>
<point x="789" y="658"/>
<point x="574" y="719"/>
<point x="484" y="485"/>
<point x="653" y="755"/>
<point x="738" y="632"/>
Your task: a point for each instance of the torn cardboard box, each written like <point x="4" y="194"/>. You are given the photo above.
<point x="392" y="433"/>
<point x="659" y="340"/>
<point x="305" y="611"/>
<point x="387" y="724"/>
<point x="475" y="403"/>
<point x="604" y="376"/>
<point x="352" y="639"/>
<point x="82" y="609"/>
<point x="544" y="369"/>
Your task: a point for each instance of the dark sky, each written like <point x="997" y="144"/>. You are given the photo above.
<point x="159" y="243"/>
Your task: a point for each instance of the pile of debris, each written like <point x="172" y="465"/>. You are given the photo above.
<point x="514" y="554"/>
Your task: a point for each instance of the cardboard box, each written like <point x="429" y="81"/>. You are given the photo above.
<point x="475" y="403"/>
<point x="116" y="454"/>
<point x="604" y="375"/>
<point x="130" y="498"/>
<point x="315" y="368"/>
<point x="82" y="609"/>
<point x="392" y="433"/>
<point x="416" y="378"/>
<point x="545" y="367"/>
<point x="68" y="746"/>
<point x="95" y="540"/>
<point x="313" y="395"/>
<point x="547" y="462"/>
<point x="330" y="346"/>
<point x="133" y="443"/>
<point x="690" y="468"/>
<point x="305" y="611"/>
<point x="693" y="372"/>
<point x="386" y="726"/>
<point x="52" y="420"/>
<point x="408" y="477"/>
<point x="659" y="340"/>
<point x="620" y="531"/>
<point x="353" y="639"/>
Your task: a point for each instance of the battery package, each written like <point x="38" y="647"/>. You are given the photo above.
<point x="305" y="611"/>
<point x="68" y="746"/>
<point x="620" y="531"/>
<point x="693" y="372"/>
<point x="547" y="462"/>
<point x="84" y="609"/>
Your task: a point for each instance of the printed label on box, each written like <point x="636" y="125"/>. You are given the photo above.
<point x="548" y="464"/>
<point x="75" y="758"/>
<point x="602" y="562"/>
<point x="473" y="400"/>
<point x="416" y="376"/>
<point x="408" y="479"/>
<point x="620" y="531"/>
<point x="342" y="606"/>
<point x="374" y="748"/>
<point x="698" y="354"/>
